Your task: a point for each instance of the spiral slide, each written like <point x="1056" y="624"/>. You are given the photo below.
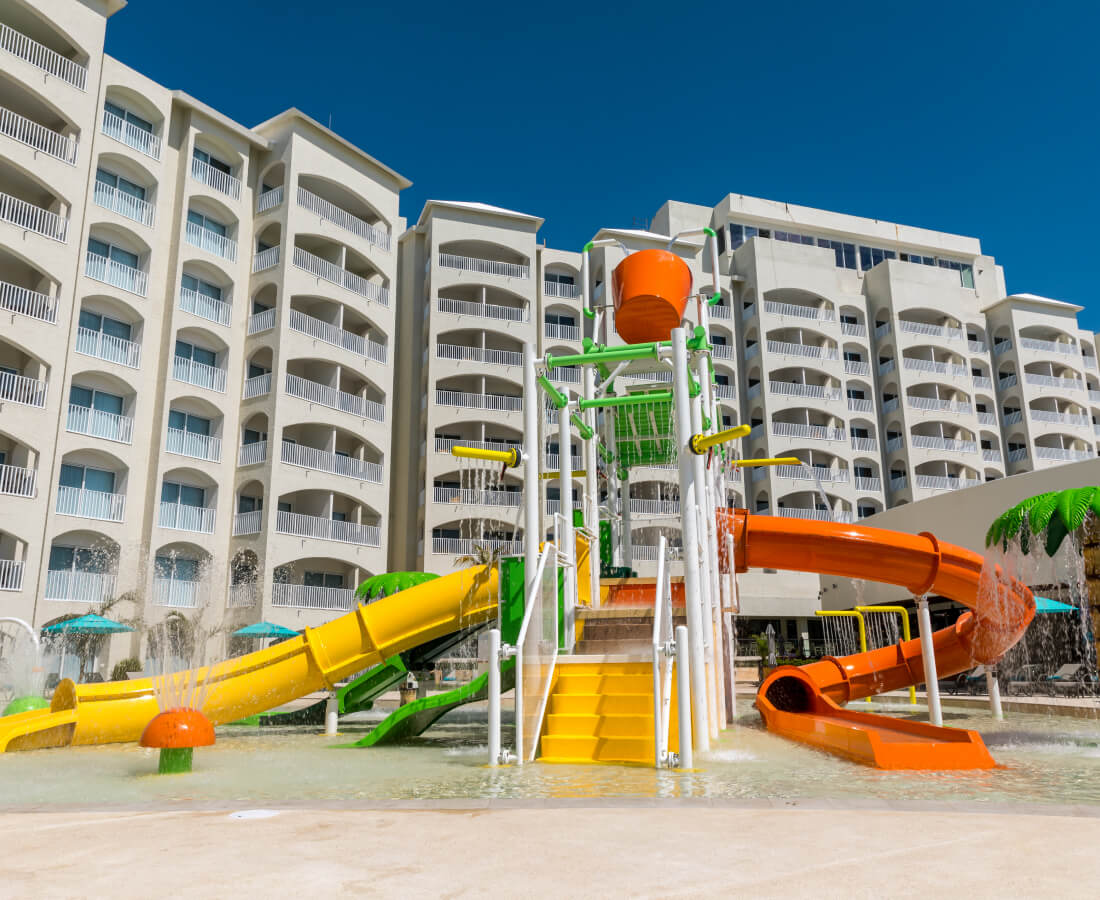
<point x="804" y="703"/>
<point x="316" y="660"/>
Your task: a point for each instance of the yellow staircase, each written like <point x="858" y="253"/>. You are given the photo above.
<point x="602" y="711"/>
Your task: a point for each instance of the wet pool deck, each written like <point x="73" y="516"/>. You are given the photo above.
<point x="557" y="849"/>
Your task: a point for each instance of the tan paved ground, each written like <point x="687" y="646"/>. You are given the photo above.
<point x="597" y="851"/>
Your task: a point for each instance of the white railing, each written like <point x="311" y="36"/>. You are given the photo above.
<point x="1090" y="361"/>
<point x="265" y="259"/>
<point x="484" y="266"/>
<point x="500" y="402"/>
<point x="79" y="587"/>
<point x="987" y="418"/>
<point x="25" y="302"/>
<point x="884" y="368"/>
<point x="812" y="351"/>
<point x="935" y="403"/>
<point x="87" y="504"/>
<point x="243" y="595"/>
<point x="651" y="553"/>
<point x="186" y="518"/>
<point x="812" y="432"/>
<point x="818" y="473"/>
<point x="946" y="332"/>
<point x="899" y="484"/>
<point x="11" y="574"/>
<point x="1045" y="415"/>
<point x="36" y="136"/>
<point x="106" y="346"/>
<point x="977" y="346"/>
<point x="444" y="445"/>
<point x="991" y="456"/>
<point x="721" y="351"/>
<point x="820" y="515"/>
<point x="981" y="381"/>
<point x="536" y="655"/>
<point x="751" y="351"/>
<point x="473" y="497"/>
<point x="552" y="462"/>
<point x="196" y="446"/>
<point x="325" y="529"/>
<point x="269" y="199"/>
<point x="261" y="321"/>
<point x="929" y="365"/>
<point x="304" y="389"/>
<point x="1000" y="347"/>
<point x="652" y="507"/>
<point x="1007" y="382"/>
<point x="930" y="442"/>
<point x="1017" y="454"/>
<point x="895" y="443"/>
<point x="206" y="307"/>
<point x="1069" y="348"/>
<point x="561" y="332"/>
<point x="16" y="481"/>
<point x="721" y="311"/>
<point x="853" y="329"/>
<point x="855" y="367"/>
<point x="476" y="354"/>
<point x="256" y="386"/>
<point x="482" y="310"/>
<point x="222" y="182"/>
<point x="330" y="212"/>
<point x="175" y="593"/>
<point x="1062" y="453"/>
<point x="198" y="374"/>
<point x="129" y="134"/>
<point x="566" y="291"/>
<point x="23" y="390"/>
<point x="864" y="444"/>
<point x="338" y="337"/>
<point x="1094" y="396"/>
<point x="1068" y="384"/>
<point x="126" y="205"/>
<point x="114" y="273"/>
<point x="884" y="329"/>
<point x="796" y="389"/>
<point x="211" y="241"/>
<point x="465" y="546"/>
<point x="322" y="461"/>
<point x="251" y="454"/>
<point x="1014" y="417"/>
<point x="724" y="391"/>
<point x="97" y="423"/>
<point x="42" y="57"/>
<point x="307" y="596"/>
<point x="857" y="405"/>
<point x="565" y="375"/>
<point x="799" y="312"/>
<point x="864" y="483"/>
<point x="34" y="218"/>
<point x="946" y="482"/>
<point x="327" y="271"/>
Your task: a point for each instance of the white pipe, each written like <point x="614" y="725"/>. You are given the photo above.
<point x="532" y="527"/>
<point x="659" y="737"/>
<point x="994" y="686"/>
<point x="568" y="541"/>
<point x="628" y="524"/>
<point x="332" y="713"/>
<point x="615" y="506"/>
<point x="693" y="589"/>
<point x="706" y="600"/>
<point x="683" y="697"/>
<point x="494" y="698"/>
<point x="731" y="630"/>
<point x="592" y="490"/>
<point x="928" y="656"/>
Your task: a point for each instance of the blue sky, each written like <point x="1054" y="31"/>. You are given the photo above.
<point x="975" y="118"/>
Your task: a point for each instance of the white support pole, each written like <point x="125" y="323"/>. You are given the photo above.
<point x="332" y="710"/>
<point x="592" y="490"/>
<point x="627" y="522"/>
<point x="693" y="588"/>
<point x="928" y="656"/>
<point x="614" y="499"/>
<point x="494" y="697"/>
<point x="706" y="598"/>
<point x="994" y="686"/>
<point x="532" y="528"/>
<point x="568" y="545"/>
<point x="731" y="631"/>
<point x="683" y="697"/>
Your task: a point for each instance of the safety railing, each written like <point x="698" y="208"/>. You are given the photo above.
<point x="1068" y="384"/>
<point x="36" y="136"/>
<point x="796" y="389"/>
<point x="946" y="482"/>
<point x="855" y="367"/>
<point x="442" y="546"/>
<point x="196" y="446"/>
<point x="175" y="593"/>
<point x="341" y="218"/>
<point x="1046" y="415"/>
<point x="499" y="402"/>
<point x="25" y="302"/>
<point x="243" y="595"/>
<point x="181" y="517"/>
<point x="79" y="587"/>
<point x="304" y="389"/>
<point x="247" y="522"/>
<point x="116" y="274"/>
<point x="308" y="596"/>
<point x="798" y="311"/>
<point x="222" y="182"/>
<point x="16" y="481"/>
<point x="265" y="259"/>
<point x="261" y="321"/>
<point x="23" y="390"/>
<point x="126" y="205"/>
<point x="444" y="445"/>
<point x="558" y="289"/>
<point x="269" y="199"/>
<point x="328" y="271"/>
<point x="129" y="134"/>
<point x="85" y="504"/>
<point x="322" y="461"/>
<point x="34" y="218"/>
<point x="108" y="347"/>
<point x="536" y="653"/>
<point x="1062" y="453"/>
<point x="1069" y="348"/>
<point x="337" y="336"/>
<point x="558" y="332"/>
<point x="667" y="646"/>
<point x="810" y="351"/>
<point x="251" y="454"/>
<point x="301" y="525"/>
<point x="97" y="423"/>
<point x="205" y="307"/>
<point x="11" y="574"/>
<point x="487" y="355"/>
<point x="199" y="374"/>
<point x="256" y="386"/>
<point x="210" y="241"/>
<point x="484" y="266"/>
<point x="482" y="310"/>
<point x="475" y="497"/>
<point x="42" y="57"/>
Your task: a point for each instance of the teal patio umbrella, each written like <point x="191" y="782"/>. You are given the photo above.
<point x="87" y="624"/>
<point x="264" y="630"/>
<point x="1046" y="605"/>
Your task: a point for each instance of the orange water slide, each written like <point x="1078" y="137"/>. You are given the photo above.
<point x="804" y="703"/>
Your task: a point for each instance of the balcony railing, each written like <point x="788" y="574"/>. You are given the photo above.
<point x="810" y="432"/>
<point x="338" y="337"/>
<point x="251" y="454"/>
<point x="643" y="506"/>
<point x="993" y="456"/>
<point x="23" y="390"/>
<point x="987" y="418"/>
<point x="97" y="423"/>
<point x="196" y="446"/>
<point x="1013" y="418"/>
<point x="243" y="595"/>
<point x="36" y="136"/>
<point x="484" y="266"/>
<point x="864" y="444"/>
<point x="561" y="332"/>
<point x="269" y="199"/>
<point x="248" y="522"/>
<point x="565" y="375"/>
<point x="175" y="593"/>
<point x="794" y="310"/>
<point x="1066" y="384"/>
<point x="222" y="182"/>
<point x="473" y="497"/>
<point x="86" y="504"/>
<point x="126" y="205"/>
<point x="265" y="259"/>
<point x="648" y="552"/>
<point x="1090" y="362"/>
<point x="810" y="351"/>
<point x="466" y="546"/>
<point x="1046" y="415"/>
<point x="724" y="391"/>
<point x="820" y="515"/>
<point x="899" y="484"/>
<point x="796" y="389"/>
<point x="444" y="445"/>
<point x="482" y="310"/>
<point x="855" y="367"/>
<point x="977" y="346"/>
<point x="487" y="356"/>
<point x="129" y="134"/>
<point x="982" y="381"/>
<point x="323" y="461"/>
<point x="79" y="587"/>
<point x="16" y="481"/>
<point x="946" y="482"/>
<point x="1007" y="382"/>
<point x="872" y="485"/>
<point x="42" y="57"/>
<point x="34" y="218"/>
<point x="114" y="273"/>
<point x="552" y="462"/>
<point x="308" y="596"/>
<point x="324" y="529"/>
<point x="210" y="241"/>
<point x="857" y="405"/>
<point x="198" y="374"/>
<point x="256" y="386"/>
<point x="1018" y="454"/>
<point x="939" y="368"/>
<point x="566" y="291"/>
<point x="1062" y="453"/>
<point x="206" y="307"/>
<point x="720" y="311"/>
<point x="11" y="574"/>
<point x="261" y="321"/>
<point x="177" y="516"/>
<point x="944" y="332"/>
<point x="327" y="271"/>
<point x="884" y="368"/>
<point x="304" y="389"/>
<point x="500" y="402"/>
<point x="853" y="329"/>
<point x="108" y="347"/>
<point x="1067" y="348"/>
<point x="818" y="473"/>
<point x="938" y="405"/>
<point x="330" y="212"/>
<point x="931" y="442"/>
<point x="25" y="302"/>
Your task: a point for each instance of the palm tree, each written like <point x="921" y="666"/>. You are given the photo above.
<point x="479" y="555"/>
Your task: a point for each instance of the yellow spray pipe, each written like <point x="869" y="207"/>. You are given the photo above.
<point x="701" y="443"/>
<point x="510" y="458"/>
<point x="548" y="475"/>
<point x="770" y="461"/>
<point x="859" y="623"/>
<point x="905" y="632"/>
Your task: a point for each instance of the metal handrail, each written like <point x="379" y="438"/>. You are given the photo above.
<point x="663" y="650"/>
<point x="529" y="606"/>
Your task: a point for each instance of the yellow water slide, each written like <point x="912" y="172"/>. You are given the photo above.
<point x="315" y="660"/>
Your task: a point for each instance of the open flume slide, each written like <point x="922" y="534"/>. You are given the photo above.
<point x="804" y="703"/>
<point x="316" y="660"/>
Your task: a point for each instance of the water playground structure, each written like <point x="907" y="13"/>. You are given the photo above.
<point x="606" y="668"/>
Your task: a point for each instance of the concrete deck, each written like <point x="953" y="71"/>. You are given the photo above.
<point x="494" y="849"/>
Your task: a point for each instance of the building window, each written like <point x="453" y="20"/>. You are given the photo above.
<point x="113" y="253"/>
<point x="205" y="222"/>
<point x="246" y="504"/>
<point x="555" y="278"/>
<point x="105" y="324"/>
<point x="212" y="161"/>
<point x="191" y="283"/>
<point x="120" y="184"/>
<point x="182" y="421"/>
<point x="97" y="400"/>
<point x="556" y="319"/>
<point x="322" y="579"/>
<point x="182" y="494"/>
<point x="128" y="116"/>
<point x="845" y="254"/>
<point x="175" y="568"/>
<point x="201" y="355"/>
<point x="77" y="559"/>
<point x="86" y="478"/>
<point x="252" y="436"/>
<point x="869" y="257"/>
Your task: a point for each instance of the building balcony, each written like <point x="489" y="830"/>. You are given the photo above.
<point x="248" y="522"/>
<point x="322" y="394"/>
<point x="100" y="424"/>
<point x="862" y="406"/>
<point x="25" y="302"/>
<point x="195" y="446"/>
<point x="324" y="529"/>
<point x="265" y="259"/>
<point x="1065" y="348"/>
<point x="1062" y="454"/>
<point x="931" y="442"/>
<point x="204" y="307"/>
<point x="991" y="456"/>
<point x="794" y="310"/>
<point x="561" y="332"/>
<point x="552" y="462"/>
<point x="720" y="312"/>
<point x="1001" y="347"/>
<point x="901" y="483"/>
<point x="564" y="375"/>
<point x="1020" y="453"/>
<point x="327" y="271"/>
<point x="1051" y="417"/>
<point x="812" y="391"/>
<point x="982" y="381"/>
<point x="307" y="596"/>
<point x="1009" y="381"/>
<point x="864" y="444"/>
<point x="129" y="134"/>
<point x="333" y="334"/>
<point x="809" y="432"/>
<point x="22" y="390"/>
<point x="29" y="217"/>
<point x="210" y="241"/>
<point x="16" y="481"/>
<point x="487" y="356"/>
<point x="220" y="181"/>
<point x="855" y="367"/>
<point x="469" y="400"/>
<point x="126" y="205"/>
<point x="853" y="329"/>
<point x="565" y="291"/>
<point x="85" y="504"/>
<point x="721" y="351"/>
<point x="199" y="519"/>
<point x="472" y="497"/>
<point x="819" y="515"/>
<point x="11" y="574"/>
<point x="330" y="212"/>
<point x="884" y="368"/>
<point x="1062" y="384"/>
<point x="175" y="593"/>
<point x="868" y="485"/>
<point x="79" y="587"/>
<point x="244" y="595"/>
<point x="42" y="57"/>
<point x="108" y="347"/>
<point x="935" y="404"/>
<point x="946" y="482"/>
<point x="812" y="473"/>
<point x="806" y="351"/>
<point x="987" y="418"/>
<point x="943" y="332"/>
<point x="261" y="321"/>
<point x="199" y="374"/>
<point x="37" y="137"/>
<point x="466" y="546"/>
<point x="938" y="368"/>
<point x="256" y="386"/>
<point x="1090" y="362"/>
<point x="252" y="454"/>
<point x="484" y="266"/>
<point x="481" y="310"/>
<point x="444" y="445"/>
<point x="269" y="199"/>
<point x="322" y="461"/>
<point x="1013" y="418"/>
<point x="114" y="273"/>
<point x="977" y="346"/>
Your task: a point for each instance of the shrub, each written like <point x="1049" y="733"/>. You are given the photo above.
<point x="130" y="664"/>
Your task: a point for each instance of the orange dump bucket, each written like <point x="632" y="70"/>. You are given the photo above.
<point x="650" y="288"/>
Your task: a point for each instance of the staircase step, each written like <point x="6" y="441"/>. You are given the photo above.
<point x="556" y="748"/>
<point x="638" y="725"/>
<point x="613" y="646"/>
<point x="568" y="683"/>
<point x="600" y="704"/>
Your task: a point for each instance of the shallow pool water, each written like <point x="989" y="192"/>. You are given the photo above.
<point x="1042" y="759"/>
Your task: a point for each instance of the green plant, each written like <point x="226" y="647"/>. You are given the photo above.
<point x="391" y="583"/>
<point x="123" y="666"/>
<point x="479" y="555"/>
<point x="1058" y="513"/>
<point x="761" y="645"/>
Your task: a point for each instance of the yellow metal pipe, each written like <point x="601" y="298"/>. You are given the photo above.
<point x="859" y="622"/>
<point x="771" y="461"/>
<point x="701" y="443"/>
<point x="510" y="458"/>
<point x="547" y="475"/>
<point x="906" y="633"/>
